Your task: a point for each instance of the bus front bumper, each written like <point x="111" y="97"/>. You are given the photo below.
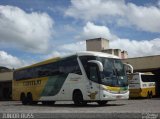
<point x="105" y="95"/>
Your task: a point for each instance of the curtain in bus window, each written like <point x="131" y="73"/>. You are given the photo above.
<point x="54" y="85"/>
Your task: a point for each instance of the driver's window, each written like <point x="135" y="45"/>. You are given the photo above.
<point x="93" y="73"/>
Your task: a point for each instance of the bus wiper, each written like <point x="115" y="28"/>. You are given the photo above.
<point x="116" y="73"/>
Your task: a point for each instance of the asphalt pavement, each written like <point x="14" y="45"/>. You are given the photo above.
<point x="135" y="108"/>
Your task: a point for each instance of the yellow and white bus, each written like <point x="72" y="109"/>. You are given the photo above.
<point x="141" y="85"/>
<point x="83" y="77"/>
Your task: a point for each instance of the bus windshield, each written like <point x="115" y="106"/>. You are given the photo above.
<point x="113" y="70"/>
<point x="113" y="73"/>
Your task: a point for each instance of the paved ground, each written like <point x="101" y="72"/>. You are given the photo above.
<point x="117" y="109"/>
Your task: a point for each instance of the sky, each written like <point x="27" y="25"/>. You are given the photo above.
<point x="36" y="30"/>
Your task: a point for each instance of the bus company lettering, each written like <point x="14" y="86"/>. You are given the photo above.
<point x="32" y="83"/>
<point x="75" y="78"/>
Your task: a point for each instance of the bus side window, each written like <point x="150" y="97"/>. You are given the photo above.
<point x="93" y="72"/>
<point x="70" y="65"/>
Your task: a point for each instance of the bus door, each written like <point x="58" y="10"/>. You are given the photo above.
<point x="94" y="79"/>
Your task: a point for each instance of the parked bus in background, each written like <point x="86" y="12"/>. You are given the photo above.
<point x="83" y="77"/>
<point x="141" y="85"/>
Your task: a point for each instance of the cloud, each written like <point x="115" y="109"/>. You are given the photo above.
<point x="28" y="31"/>
<point x="158" y="3"/>
<point x="90" y="30"/>
<point x="133" y="47"/>
<point x="144" y="18"/>
<point x="67" y="49"/>
<point x="138" y="48"/>
<point x="93" y="9"/>
<point x="7" y="60"/>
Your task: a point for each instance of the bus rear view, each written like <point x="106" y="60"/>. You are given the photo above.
<point x="141" y="85"/>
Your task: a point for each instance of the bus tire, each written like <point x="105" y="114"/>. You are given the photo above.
<point x="29" y="98"/>
<point x="48" y="102"/>
<point x="44" y="102"/>
<point x="34" y="102"/>
<point x="51" y="102"/>
<point x="23" y="99"/>
<point x="148" y="95"/>
<point x="102" y="103"/>
<point x="78" y="98"/>
<point x="22" y="96"/>
<point x="151" y="95"/>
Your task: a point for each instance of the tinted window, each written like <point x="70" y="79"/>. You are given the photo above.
<point x="149" y="78"/>
<point x="93" y="73"/>
<point x="84" y="60"/>
<point x="69" y="65"/>
<point x="64" y="66"/>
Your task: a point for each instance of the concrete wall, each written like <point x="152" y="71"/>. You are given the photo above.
<point x="147" y="63"/>
<point x="110" y="51"/>
<point x="6" y="76"/>
<point x="97" y="44"/>
<point x="117" y="52"/>
<point x="124" y="54"/>
<point x="102" y="45"/>
<point x="6" y="85"/>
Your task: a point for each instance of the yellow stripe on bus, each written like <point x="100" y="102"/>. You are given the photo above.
<point x="114" y="88"/>
<point x="143" y="92"/>
<point x="35" y="86"/>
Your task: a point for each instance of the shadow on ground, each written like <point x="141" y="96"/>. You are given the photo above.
<point x="72" y="105"/>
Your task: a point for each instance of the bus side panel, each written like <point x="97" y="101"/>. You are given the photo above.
<point x="63" y="91"/>
<point x="145" y="91"/>
<point x="134" y="93"/>
<point x="35" y="86"/>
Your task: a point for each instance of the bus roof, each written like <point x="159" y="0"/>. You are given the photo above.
<point x="83" y="53"/>
<point x="99" y="54"/>
<point x="141" y="73"/>
<point x="41" y="63"/>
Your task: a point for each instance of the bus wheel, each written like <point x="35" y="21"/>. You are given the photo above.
<point x="102" y="103"/>
<point x="48" y="102"/>
<point x="78" y="98"/>
<point x="34" y="102"/>
<point x="44" y="102"/>
<point x="151" y="94"/>
<point x="29" y="98"/>
<point x="23" y="98"/>
<point x="148" y="95"/>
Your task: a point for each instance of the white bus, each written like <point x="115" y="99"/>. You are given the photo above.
<point x="141" y="85"/>
<point x="83" y="77"/>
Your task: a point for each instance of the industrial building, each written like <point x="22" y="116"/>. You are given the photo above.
<point x="102" y="45"/>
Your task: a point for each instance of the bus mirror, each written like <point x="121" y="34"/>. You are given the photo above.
<point x="128" y="67"/>
<point x="98" y="63"/>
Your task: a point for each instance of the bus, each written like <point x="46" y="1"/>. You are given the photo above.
<point x="141" y="85"/>
<point x="82" y="77"/>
